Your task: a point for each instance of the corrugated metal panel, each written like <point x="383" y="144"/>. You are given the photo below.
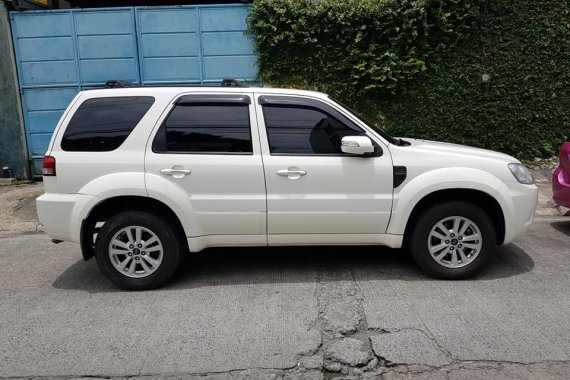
<point x="197" y="44"/>
<point x="225" y="50"/>
<point x="106" y="46"/>
<point x="61" y="52"/>
<point x="168" y="37"/>
<point x="47" y="70"/>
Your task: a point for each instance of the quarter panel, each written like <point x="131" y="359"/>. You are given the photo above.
<point x="115" y="185"/>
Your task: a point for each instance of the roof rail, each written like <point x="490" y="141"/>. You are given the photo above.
<point x="226" y="82"/>
<point x="119" y="84"/>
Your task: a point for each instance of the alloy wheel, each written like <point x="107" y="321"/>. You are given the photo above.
<point x="455" y="242"/>
<point x="136" y="251"/>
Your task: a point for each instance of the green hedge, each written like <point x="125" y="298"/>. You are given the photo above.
<point x="417" y="66"/>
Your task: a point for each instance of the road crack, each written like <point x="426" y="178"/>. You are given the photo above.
<point x="345" y="348"/>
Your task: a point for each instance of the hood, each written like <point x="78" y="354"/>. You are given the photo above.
<point x="456" y="149"/>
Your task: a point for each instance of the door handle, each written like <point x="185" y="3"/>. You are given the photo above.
<point x="292" y="173"/>
<point x="176" y="173"/>
<point x="286" y="172"/>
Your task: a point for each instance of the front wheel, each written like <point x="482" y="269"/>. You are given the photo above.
<point x="452" y="240"/>
<point x="137" y="250"/>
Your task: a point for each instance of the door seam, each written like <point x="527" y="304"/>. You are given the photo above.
<point x="257" y="127"/>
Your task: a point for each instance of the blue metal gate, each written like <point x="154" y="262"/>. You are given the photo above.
<point x="60" y="53"/>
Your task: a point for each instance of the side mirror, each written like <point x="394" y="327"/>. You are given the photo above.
<point x="357" y="145"/>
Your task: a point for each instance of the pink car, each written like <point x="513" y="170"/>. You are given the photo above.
<point x="561" y="177"/>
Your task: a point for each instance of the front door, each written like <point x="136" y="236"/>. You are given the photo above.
<point x="312" y="187"/>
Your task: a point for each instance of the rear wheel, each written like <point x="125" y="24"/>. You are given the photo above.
<point x="137" y="250"/>
<point x="452" y="240"/>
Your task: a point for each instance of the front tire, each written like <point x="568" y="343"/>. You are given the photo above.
<point x="452" y="240"/>
<point x="137" y="250"/>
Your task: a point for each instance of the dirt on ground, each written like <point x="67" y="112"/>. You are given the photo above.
<point x="18" y="207"/>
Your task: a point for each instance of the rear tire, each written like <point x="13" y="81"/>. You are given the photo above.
<point x="137" y="250"/>
<point x="452" y="240"/>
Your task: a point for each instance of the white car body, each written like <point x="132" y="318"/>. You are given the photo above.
<point x="239" y="200"/>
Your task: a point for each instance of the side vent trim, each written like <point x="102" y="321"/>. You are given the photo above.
<point x="400" y="174"/>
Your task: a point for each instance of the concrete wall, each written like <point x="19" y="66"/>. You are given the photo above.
<point x="12" y="142"/>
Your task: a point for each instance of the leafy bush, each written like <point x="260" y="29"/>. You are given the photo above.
<point x="417" y="67"/>
<point x="353" y="47"/>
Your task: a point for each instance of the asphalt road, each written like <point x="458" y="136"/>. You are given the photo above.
<point x="289" y="312"/>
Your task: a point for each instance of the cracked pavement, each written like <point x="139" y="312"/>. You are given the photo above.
<point x="286" y="313"/>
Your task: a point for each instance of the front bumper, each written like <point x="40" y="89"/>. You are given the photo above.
<point x="524" y="201"/>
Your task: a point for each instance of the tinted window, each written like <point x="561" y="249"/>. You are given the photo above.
<point x="103" y="124"/>
<point x="304" y="130"/>
<point x="208" y="128"/>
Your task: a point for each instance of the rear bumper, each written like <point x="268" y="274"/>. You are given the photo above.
<point x="61" y="215"/>
<point x="561" y="187"/>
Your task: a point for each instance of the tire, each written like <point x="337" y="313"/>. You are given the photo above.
<point x="445" y="260"/>
<point x="115" y="253"/>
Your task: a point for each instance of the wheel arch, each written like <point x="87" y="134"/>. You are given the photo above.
<point x="454" y="183"/>
<point x="103" y="210"/>
<point x="480" y="198"/>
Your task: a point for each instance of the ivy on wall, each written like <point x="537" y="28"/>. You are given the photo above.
<point x="489" y="73"/>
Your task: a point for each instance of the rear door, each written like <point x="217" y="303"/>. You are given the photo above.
<point x="206" y="145"/>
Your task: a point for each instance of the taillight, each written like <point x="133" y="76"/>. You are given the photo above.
<point x="48" y="167"/>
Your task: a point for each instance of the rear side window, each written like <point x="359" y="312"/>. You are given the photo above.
<point x="103" y="124"/>
<point x="216" y="128"/>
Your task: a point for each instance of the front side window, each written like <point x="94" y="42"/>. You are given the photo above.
<point x="304" y="130"/>
<point x="205" y="128"/>
<point x="103" y="124"/>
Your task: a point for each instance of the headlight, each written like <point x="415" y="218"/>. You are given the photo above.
<point x="521" y="173"/>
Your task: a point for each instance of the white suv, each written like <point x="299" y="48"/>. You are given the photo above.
<point x="139" y="176"/>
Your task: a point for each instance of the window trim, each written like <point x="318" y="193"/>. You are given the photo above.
<point x="308" y="103"/>
<point x="190" y="99"/>
<point x="206" y="100"/>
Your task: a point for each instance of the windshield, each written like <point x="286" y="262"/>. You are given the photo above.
<point x="386" y="136"/>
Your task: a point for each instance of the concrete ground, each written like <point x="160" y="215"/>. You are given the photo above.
<point x="333" y="312"/>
